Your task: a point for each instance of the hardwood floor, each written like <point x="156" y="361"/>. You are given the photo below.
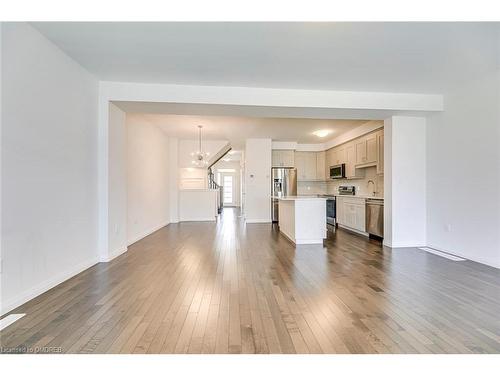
<point x="235" y="288"/>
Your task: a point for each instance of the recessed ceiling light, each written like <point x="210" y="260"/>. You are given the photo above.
<point x="322" y="133"/>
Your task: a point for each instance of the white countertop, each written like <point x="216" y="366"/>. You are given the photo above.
<point x="301" y="197"/>
<point x="360" y="196"/>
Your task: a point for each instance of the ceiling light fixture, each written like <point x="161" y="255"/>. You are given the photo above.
<point x="200" y="157"/>
<point x="322" y="133"/>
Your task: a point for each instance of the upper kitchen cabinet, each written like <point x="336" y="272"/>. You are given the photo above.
<point x="366" y="149"/>
<point x="321" y="165"/>
<point x="351" y="171"/>
<point x="310" y="165"/>
<point x="380" y="150"/>
<point x="337" y="155"/>
<point x="283" y="158"/>
<point x="306" y="163"/>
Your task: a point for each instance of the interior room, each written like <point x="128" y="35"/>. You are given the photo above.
<point x="213" y="193"/>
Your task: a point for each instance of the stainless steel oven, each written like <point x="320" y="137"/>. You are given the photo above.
<point x="337" y="171"/>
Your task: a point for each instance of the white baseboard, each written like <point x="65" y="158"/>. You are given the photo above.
<point x="257" y="221"/>
<point x="183" y="220"/>
<point x="46" y="285"/>
<point x="113" y="255"/>
<point x="474" y="259"/>
<point x="403" y="244"/>
<point x="146" y="233"/>
<point x="353" y="230"/>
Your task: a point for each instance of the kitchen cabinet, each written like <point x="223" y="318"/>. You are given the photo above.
<point x="366" y="149"/>
<point x="380" y="150"/>
<point x="283" y="158"/>
<point x="351" y="171"/>
<point x="320" y="165"/>
<point x="337" y="155"/>
<point x="351" y="213"/>
<point x="371" y="148"/>
<point x="310" y="165"/>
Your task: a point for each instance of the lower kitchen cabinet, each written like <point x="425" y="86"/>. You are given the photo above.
<point x="351" y="213"/>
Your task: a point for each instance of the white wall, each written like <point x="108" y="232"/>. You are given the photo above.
<point x="147" y="180"/>
<point x="463" y="164"/>
<point x="49" y="166"/>
<point x="198" y="205"/>
<point x="173" y="156"/>
<point x="258" y="180"/>
<point x="405" y="181"/>
<point x="117" y="195"/>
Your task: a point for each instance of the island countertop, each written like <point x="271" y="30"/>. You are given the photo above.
<point x="301" y="197"/>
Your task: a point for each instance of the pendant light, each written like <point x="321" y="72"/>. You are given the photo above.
<point x="200" y="158"/>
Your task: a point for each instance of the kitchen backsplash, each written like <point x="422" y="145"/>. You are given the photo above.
<point x="311" y="187"/>
<point x="331" y="187"/>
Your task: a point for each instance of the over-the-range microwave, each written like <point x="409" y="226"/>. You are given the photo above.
<point x="337" y="171"/>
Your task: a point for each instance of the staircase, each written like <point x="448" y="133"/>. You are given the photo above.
<point x="214" y="185"/>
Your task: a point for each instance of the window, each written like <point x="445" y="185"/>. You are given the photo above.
<point x="228" y="189"/>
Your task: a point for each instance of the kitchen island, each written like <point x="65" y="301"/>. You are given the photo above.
<point x="302" y="219"/>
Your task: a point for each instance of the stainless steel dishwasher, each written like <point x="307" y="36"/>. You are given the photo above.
<point x="375" y="217"/>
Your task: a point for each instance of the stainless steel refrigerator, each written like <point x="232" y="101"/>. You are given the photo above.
<point x="283" y="183"/>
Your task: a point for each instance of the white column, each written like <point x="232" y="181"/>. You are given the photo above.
<point x="117" y="185"/>
<point x="173" y="162"/>
<point x="258" y="180"/>
<point x="405" y="213"/>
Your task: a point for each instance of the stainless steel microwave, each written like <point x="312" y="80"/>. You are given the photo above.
<point x="337" y="171"/>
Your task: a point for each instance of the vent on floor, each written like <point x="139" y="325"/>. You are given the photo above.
<point x="442" y="254"/>
<point x="9" y="319"/>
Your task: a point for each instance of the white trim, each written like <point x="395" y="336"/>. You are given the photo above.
<point x="474" y="259"/>
<point x="112" y="255"/>
<point x="353" y="230"/>
<point x="311" y="147"/>
<point x="259" y="96"/>
<point x="9" y="319"/>
<point x="404" y="244"/>
<point x="257" y="221"/>
<point x="441" y="254"/>
<point x="147" y="233"/>
<point x="46" y="285"/>
<point x="357" y="132"/>
<point x="198" y="219"/>
<point x="308" y="241"/>
<point x="277" y="145"/>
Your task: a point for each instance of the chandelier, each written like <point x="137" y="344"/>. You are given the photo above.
<point x="200" y="158"/>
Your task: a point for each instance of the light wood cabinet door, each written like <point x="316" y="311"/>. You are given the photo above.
<point x="306" y="165"/>
<point x="380" y="144"/>
<point x="288" y="158"/>
<point x="276" y="158"/>
<point x="371" y="148"/>
<point x="310" y="166"/>
<point x="341" y="155"/>
<point x="340" y="215"/>
<point x="360" y="145"/>
<point x="283" y="158"/>
<point x="350" y="165"/>
<point x="354" y="215"/>
<point x="350" y="161"/>
<point x="320" y="165"/>
<point x="300" y="164"/>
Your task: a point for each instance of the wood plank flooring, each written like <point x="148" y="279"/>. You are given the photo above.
<point x="227" y="287"/>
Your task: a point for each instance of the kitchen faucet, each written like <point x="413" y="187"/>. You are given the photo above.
<point x="374" y="187"/>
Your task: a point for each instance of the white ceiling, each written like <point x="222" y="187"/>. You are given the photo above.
<point x="237" y="129"/>
<point x="395" y="57"/>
